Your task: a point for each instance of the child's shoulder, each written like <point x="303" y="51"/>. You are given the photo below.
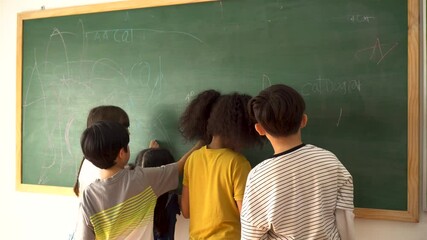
<point x="310" y="148"/>
<point x="306" y="150"/>
<point x="231" y="157"/>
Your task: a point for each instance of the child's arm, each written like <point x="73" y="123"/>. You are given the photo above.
<point x="183" y="159"/>
<point x="239" y="206"/>
<point x="344" y="216"/>
<point x="250" y="229"/>
<point x="240" y="175"/>
<point x="83" y="230"/>
<point x="345" y="224"/>
<point x="153" y="144"/>
<point x="185" y="202"/>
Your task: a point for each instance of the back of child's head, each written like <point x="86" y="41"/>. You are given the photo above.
<point x="109" y="113"/>
<point x="230" y="120"/>
<point x="102" y="142"/>
<point x="154" y="157"/>
<point x="102" y="113"/>
<point x="279" y="109"/>
<point x="194" y="120"/>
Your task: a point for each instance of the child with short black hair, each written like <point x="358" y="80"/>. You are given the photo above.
<point x="88" y="172"/>
<point x="215" y="175"/>
<point x="303" y="191"/>
<point x="120" y="204"/>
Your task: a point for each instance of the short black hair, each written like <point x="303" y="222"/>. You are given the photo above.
<point x="279" y="109"/>
<point x="99" y="113"/>
<point x="101" y="143"/>
<point x="154" y="157"/>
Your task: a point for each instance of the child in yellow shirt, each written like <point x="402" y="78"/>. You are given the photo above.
<point x="215" y="175"/>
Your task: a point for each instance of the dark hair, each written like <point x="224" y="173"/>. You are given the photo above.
<point x="193" y="121"/>
<point x="279" y="109"/>
<point x="230" y="120"/>
<point x="109" y="113"/>
<point x="102" y="142"/>
<point x="155" y="157"/>
<point x="99" y="113"/>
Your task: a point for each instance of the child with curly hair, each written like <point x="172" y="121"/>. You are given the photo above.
<point x="215" y="175"/>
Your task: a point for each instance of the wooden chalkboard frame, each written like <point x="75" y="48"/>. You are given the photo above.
<point x="424" y="103"/>
<point x="412" y="212"/>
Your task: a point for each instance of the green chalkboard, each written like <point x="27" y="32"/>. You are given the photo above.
<point x="349" y="59"/>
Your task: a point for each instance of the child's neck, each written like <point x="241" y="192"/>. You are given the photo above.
<point x="281" y="144"/>
<point x="107" y="173"/>
<point x="217" y="143"/>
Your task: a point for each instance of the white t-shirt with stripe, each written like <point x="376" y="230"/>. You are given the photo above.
<point x="294" y="195"/>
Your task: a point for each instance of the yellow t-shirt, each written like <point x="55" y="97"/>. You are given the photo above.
<point x="215" y="178"/>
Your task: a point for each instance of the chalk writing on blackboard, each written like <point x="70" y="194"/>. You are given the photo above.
<point x="55" y="71"/>
<point x="265" y="81"/>
<point x="339" y="117"/>
<point x="128" y="35"/>
<point x="189" y="96"/>
<point x="324" y="85"/>
<point x="378" y="51"/>
<point x="358" y="18"/>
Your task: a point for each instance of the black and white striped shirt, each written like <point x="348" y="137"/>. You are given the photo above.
<point x="294" y="195"/>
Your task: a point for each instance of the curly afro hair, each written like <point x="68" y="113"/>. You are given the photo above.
<point x="211" y="113"/>
<point x="193" y="122"/>
<point x="230" y="120"/>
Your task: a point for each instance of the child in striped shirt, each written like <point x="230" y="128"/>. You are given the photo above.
<point x="303" y="191"/>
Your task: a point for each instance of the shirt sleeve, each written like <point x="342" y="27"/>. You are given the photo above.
<point x="84" y="229"/>
<point x="185" y="175"/>
<point x="345" y="224"/>
<point x="162" y="179"/>
<point x="240" y="175"/>
<point x="252" y="213"/>
<point x="345" y="193"/>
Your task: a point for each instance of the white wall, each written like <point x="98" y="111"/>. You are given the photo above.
<point x="40" y="216"/>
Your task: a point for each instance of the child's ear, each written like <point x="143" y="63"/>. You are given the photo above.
<point x="260" y="129"/>
<point x="123" y="153"/>
<point x="304" y="120"/>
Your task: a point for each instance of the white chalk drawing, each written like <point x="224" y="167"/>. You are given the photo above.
<point x="55" y="75"/>
<point x="378" y="51"/>
<point x="265" y="81"/>
<point x="324" y="85"/>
